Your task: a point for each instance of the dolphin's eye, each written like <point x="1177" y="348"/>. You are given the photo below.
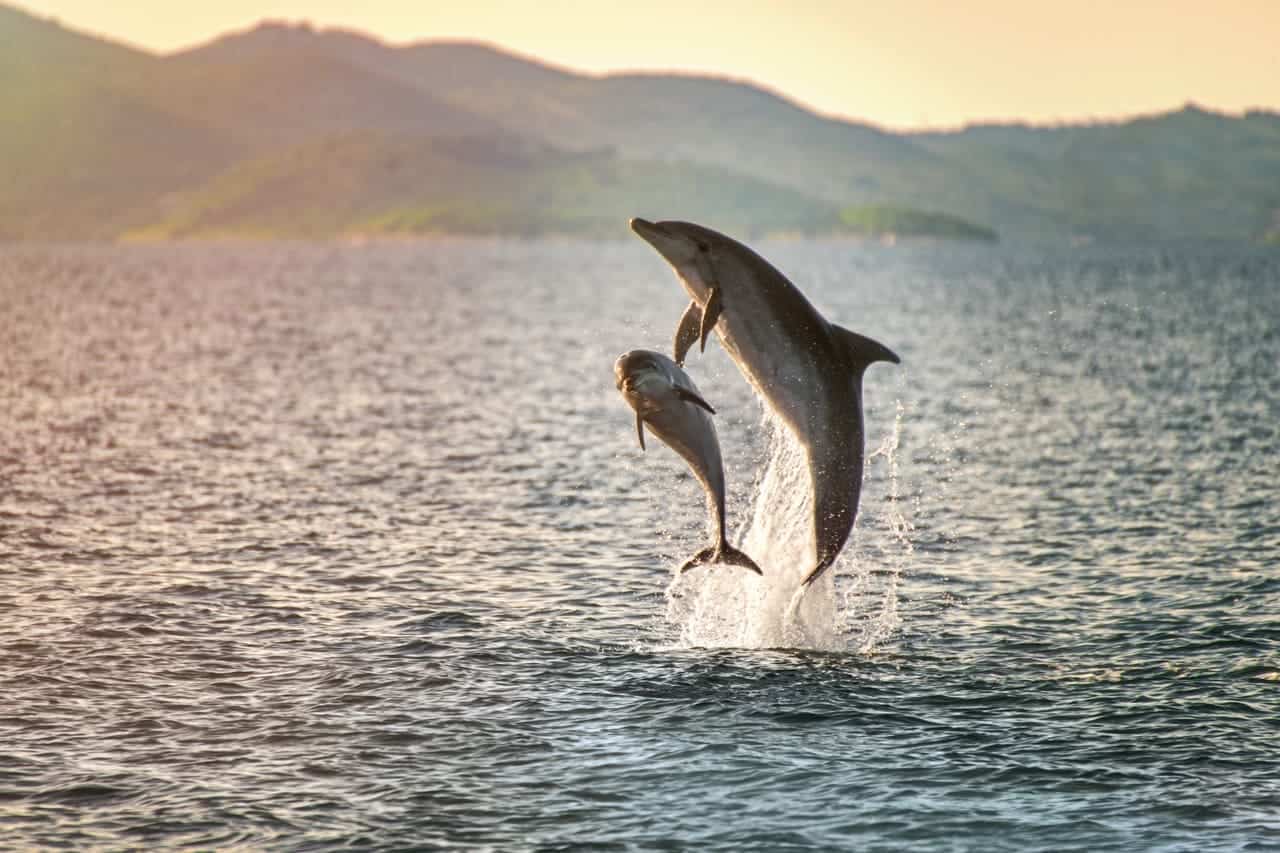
<point x="703" y="247"/>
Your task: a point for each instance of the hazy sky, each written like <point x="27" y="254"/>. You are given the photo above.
<point x="900" y="63"/>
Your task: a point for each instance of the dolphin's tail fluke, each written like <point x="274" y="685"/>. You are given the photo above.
<point x="734" y="557"/>
<point x="722" y="553"/>
<point x="793" y="606"/>
<point x="816" y="573"/>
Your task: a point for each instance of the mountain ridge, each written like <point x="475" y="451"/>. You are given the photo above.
<point x="112" y="140"/>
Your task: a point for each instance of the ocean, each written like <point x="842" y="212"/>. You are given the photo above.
<point x="322" y="546"/>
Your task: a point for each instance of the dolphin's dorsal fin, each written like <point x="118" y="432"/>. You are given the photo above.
<point x="687" y="332"/>
<point x="860" y="349"/>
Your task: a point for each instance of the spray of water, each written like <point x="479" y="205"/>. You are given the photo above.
<point x="852" y="607"/>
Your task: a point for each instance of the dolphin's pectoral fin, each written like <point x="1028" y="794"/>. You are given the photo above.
<point x="861" y="350"/>
<point x="710" y="314"/>
<point x="640" y="429"/>
<point x="691" y="397"/>
<point x="687" y="332"/>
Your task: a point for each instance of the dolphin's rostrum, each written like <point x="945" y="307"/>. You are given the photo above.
<point x="669" y="404"/>
<point x="807" y="370"/>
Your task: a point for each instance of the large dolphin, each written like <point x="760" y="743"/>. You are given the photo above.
<point x="666" y="400"/>
<point x="808" y="370"/>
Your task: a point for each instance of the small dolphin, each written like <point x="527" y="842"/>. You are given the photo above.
<point x="808" y="370"/>
<point x="666" y="400"/>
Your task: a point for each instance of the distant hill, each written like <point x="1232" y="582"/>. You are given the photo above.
<point x="82" y="153"/>
<point x="1189" y="173"/>
<point x="728" y="124"/>
<point x="879" y="219"/>
<point x="371" y="183"/>
<point x="287" y="130"/>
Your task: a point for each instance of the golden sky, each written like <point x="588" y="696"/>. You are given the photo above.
<point x="898" y="63"/>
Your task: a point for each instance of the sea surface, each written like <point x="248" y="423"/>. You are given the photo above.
<point x="319" y="547"/>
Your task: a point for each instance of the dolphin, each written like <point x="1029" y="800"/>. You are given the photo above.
<point x="666" y="400"/>
<point x="808" y="370"/>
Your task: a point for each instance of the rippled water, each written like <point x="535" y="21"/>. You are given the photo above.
<point x="307" y="547"/>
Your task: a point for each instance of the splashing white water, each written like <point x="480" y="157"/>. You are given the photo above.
<point x="870" y="606"/>
<point x="852" y="607"/>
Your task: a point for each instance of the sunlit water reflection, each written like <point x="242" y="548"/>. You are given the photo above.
<point x="306" y="546"/>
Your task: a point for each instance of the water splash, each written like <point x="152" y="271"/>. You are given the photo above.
<point x="870" y="605"/>
<point x="851" y="607"/>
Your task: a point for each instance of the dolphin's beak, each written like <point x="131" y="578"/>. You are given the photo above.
<point x="670" y="244"/>
<point x="646" y="229"/>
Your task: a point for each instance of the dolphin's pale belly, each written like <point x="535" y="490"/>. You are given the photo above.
<point x="791" y="391"/>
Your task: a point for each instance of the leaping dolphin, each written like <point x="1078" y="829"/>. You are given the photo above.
<point x="808" y="371"/>
<point x="666" y="400"/>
